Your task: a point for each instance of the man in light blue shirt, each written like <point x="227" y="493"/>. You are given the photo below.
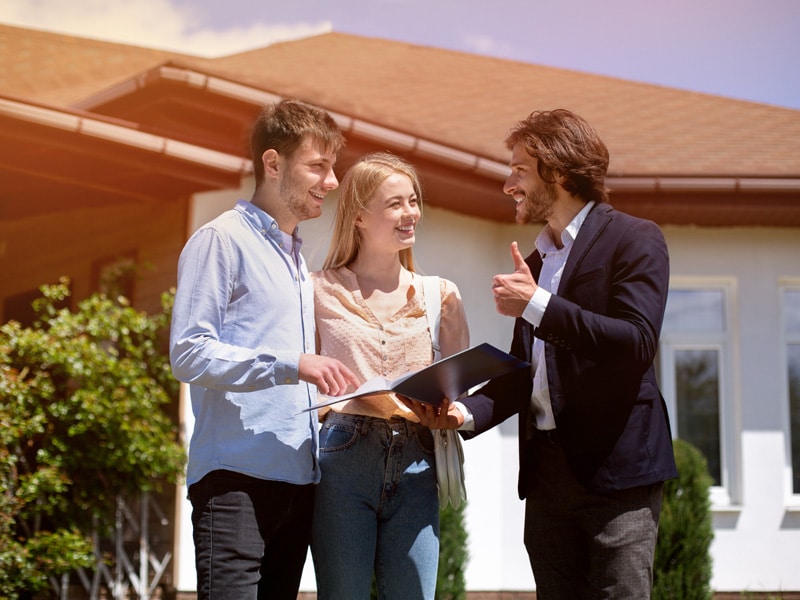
<point x="243" y="338"/>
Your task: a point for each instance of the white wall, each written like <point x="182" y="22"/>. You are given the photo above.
<point x="757" y="539"/>
<point x="757" y="536"/>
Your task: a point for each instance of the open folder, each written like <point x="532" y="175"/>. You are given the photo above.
<point x="447" y="378"/>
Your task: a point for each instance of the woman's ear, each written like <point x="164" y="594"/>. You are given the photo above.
<point x="359" y="220"/>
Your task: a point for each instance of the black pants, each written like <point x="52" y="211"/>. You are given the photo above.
<point x="251" y="536"/>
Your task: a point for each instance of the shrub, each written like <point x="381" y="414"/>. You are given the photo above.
<point x="682" y="568"/>
<point x="81" y="422"/>
<point x="453" y="556"/>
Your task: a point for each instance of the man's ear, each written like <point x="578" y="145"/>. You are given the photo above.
<point x="271" y="160"/>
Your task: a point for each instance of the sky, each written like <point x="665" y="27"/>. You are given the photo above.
<point x="745" y="49"/>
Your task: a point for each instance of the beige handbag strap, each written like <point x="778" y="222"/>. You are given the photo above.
<point x="433" y="308"/>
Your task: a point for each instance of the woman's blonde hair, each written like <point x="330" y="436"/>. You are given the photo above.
<point x="358" y="187"/>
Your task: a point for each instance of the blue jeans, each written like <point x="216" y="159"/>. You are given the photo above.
<point x="376" y="510"/>
<point x="251" y="536"/>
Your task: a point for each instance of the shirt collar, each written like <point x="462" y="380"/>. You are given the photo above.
<point x="269" y="227"/>
<point x="544" y="241"/>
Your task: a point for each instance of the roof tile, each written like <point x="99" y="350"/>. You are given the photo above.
<point x="464" y="101"/>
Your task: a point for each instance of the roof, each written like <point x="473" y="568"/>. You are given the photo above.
<point x="676" y="156"/>
<point x="469" y="102"/>
<point x="91" y="158"/>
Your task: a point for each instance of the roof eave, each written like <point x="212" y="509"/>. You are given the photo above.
<point x="679" y="193"/>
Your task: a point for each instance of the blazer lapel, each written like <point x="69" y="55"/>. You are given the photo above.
<point x="596" y="221"/>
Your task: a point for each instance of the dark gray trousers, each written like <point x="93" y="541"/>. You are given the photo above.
<point x="586" y="545"/>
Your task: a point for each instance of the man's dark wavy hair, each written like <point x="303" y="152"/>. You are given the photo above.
<point x="567" y="149"/>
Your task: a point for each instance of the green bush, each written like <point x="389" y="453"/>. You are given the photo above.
<point x="682" y="568"/>
<point x="81" y="422"/>
<point x="453" y="555"/>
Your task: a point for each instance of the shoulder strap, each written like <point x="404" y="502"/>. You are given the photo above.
<point x="431" y="289"/>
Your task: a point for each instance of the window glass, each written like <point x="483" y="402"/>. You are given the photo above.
<point x="791" y="319"/>
<point x="791" y="303"/>
<point x="793" y="358"/>
<point x="697" y="391"/>
<point x="695" y="310"/>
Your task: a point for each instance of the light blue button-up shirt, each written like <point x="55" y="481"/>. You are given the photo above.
<point x="243" y="314"/>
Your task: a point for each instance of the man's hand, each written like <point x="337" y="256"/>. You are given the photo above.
<point x="446" y="416"/>
<point x="512" y="292"/>
<point x="329" y="375"/>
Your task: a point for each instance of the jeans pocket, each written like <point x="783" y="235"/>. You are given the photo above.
<point x="336" y="436"/>
<point x="424" y="437"/>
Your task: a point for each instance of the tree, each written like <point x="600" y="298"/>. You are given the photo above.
<point x="81" y="421"/>
<point x="682" y="566"/>
<point x="453" y="555"/>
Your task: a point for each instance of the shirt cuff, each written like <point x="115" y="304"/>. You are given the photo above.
<point x="469" y="419"/>
<point x="534" y="312"/>
<point x="287" y="368"/>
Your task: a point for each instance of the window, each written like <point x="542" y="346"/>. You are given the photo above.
<point x="693" y="366"/>
<point x="115" y="276"/>
<point x="791" y="329"/>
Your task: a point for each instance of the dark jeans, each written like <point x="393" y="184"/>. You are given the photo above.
<point x="251" y="536"/>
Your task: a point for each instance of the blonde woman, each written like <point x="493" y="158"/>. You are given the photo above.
<point x="377" y="508"/>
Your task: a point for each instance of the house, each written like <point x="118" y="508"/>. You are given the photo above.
<point x="111" y="152"/>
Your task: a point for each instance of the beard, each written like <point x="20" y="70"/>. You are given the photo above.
<point x="537" y="205"/>
<point x="297" y="199"/>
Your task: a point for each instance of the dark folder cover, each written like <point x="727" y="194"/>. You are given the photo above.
<point x="447" y="378"/>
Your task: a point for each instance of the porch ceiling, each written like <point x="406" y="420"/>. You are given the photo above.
<point x="56" y="160"/>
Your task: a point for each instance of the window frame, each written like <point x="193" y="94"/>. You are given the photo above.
<point x="725" y="343"/>
<point x="792" y="498"/>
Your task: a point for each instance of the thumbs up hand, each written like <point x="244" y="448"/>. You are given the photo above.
<point x="513" y="291"/>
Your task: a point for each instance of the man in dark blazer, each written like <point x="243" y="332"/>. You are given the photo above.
<point x="594" y="438"/>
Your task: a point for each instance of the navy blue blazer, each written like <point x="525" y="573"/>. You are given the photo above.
<point x="601" y="332"/>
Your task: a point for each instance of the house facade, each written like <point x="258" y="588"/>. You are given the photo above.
<point x="112" y="153"/>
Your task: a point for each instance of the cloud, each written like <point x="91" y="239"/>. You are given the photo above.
<point x="487" y="45"/>
<point x="150" y="23"/>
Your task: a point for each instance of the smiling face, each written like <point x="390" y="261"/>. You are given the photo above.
<point x="389" y="221"/>
<point x="534" y="197"/>
<point x="307" y="177"/>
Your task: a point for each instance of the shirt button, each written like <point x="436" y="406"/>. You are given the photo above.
<point x="251" y="388"/>
<point x="287" y="380"/>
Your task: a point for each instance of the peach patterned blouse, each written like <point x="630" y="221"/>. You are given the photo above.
<point x="349" y="331"/>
